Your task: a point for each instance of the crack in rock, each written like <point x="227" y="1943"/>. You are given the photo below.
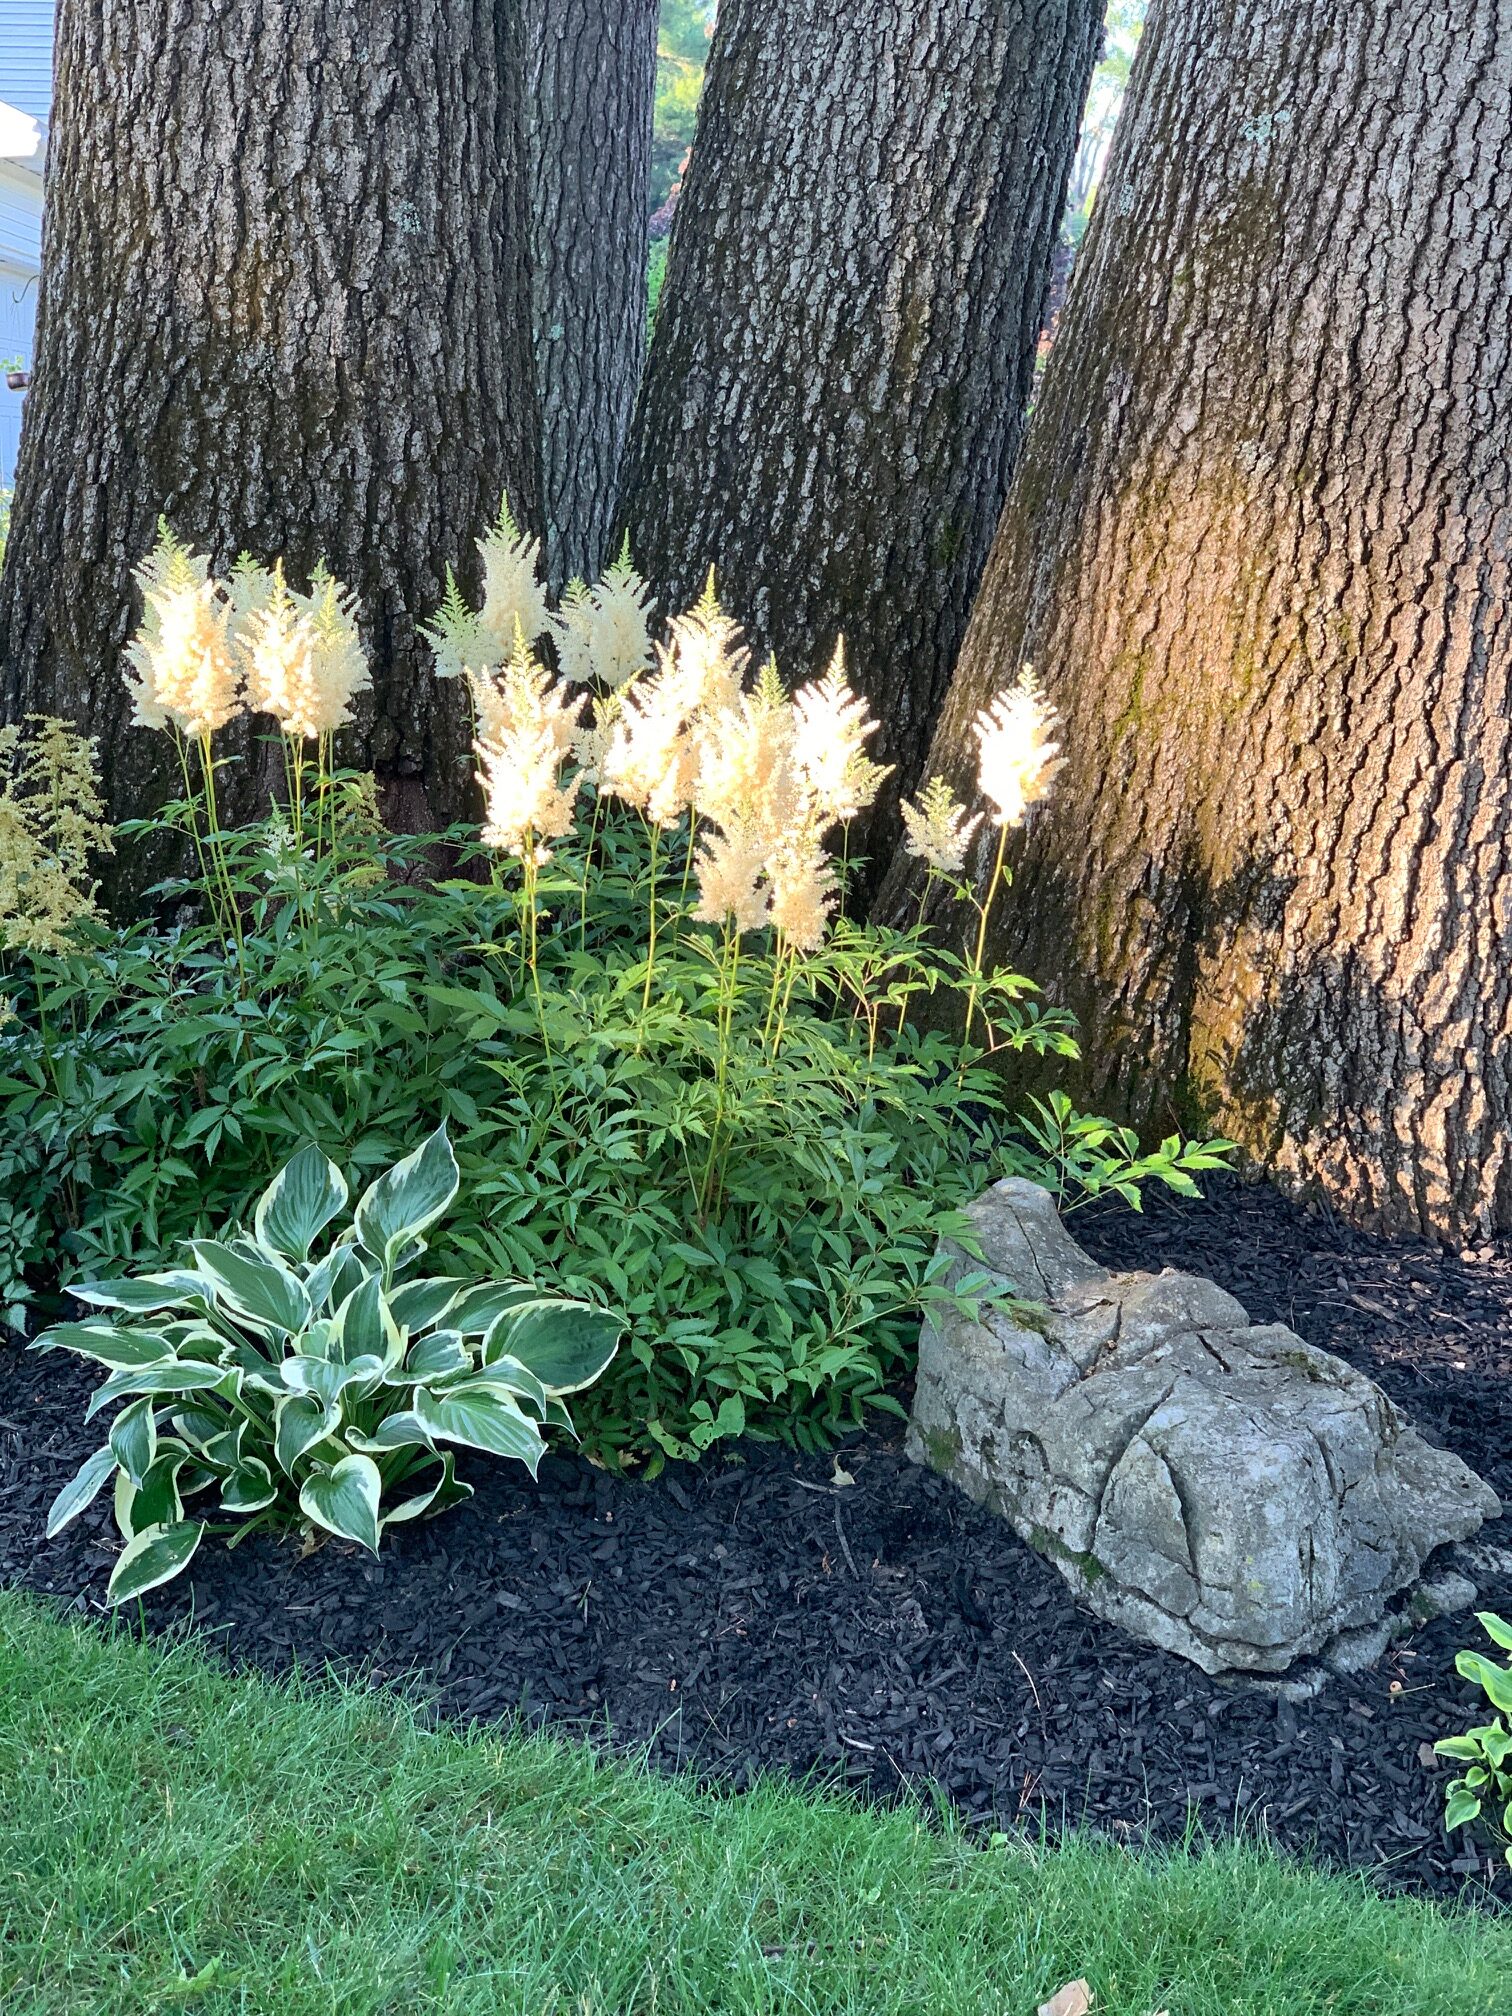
<point x="1218" y="1487"/>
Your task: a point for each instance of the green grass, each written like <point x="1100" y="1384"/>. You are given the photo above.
<point x="172" y="1837"/>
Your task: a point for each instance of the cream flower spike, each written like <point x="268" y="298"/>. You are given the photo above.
<point x="603" y="634"/>
<point x="1017" y="760"/>
<point x="466" y="640"/>
<point x="833" y="726"/>
<point x="937" y="828"/>
<point x="181" y="663"/>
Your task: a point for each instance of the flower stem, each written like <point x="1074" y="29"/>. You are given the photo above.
<point x="984" y="911"/>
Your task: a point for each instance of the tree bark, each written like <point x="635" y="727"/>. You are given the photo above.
<point x="1258" y="547"/>
<point x="846" y="340"/>
<point x="285" y="302"/>
<point x="590" y="94"/>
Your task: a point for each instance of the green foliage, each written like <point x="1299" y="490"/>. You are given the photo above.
<point x="267" y="1387"/>
<point x="179" y="1837"/>
<point x="1486" y="1787"/>
<point x="750" y="1168"/>
<point x="682" y="51"/>
<point x="656" y="277"/>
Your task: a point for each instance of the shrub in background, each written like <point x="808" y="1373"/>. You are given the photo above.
<point x="268" y="1386"/>
<point x="682" y="1085"/>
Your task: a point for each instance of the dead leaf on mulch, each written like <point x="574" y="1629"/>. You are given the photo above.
<point x="1075" y="1999"/>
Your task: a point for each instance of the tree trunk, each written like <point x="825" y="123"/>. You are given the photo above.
<point x="591" y="88"/>
<point x="1258" y="547"/>
<point x="285" y="303"/>
<point x="846" y="341"/>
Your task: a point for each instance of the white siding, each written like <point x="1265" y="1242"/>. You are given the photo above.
<point x="26" y="45"/>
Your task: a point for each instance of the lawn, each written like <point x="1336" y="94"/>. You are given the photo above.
<point x="176" y="1837"/>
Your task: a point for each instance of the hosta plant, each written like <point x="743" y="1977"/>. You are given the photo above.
<point x="268" y="1383"/>
<point x="1486" y="1787"/>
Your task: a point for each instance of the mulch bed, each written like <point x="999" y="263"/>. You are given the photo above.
<point x="882" y="1632"/>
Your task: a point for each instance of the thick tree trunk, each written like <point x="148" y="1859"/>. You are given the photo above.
<point x="1258" y="547"/>
<point x="285" y="302"/>
<point x="591" y="89"/>
<point x="846" y="342"/>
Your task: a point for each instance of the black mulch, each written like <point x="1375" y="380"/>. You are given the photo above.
<point x="750" y="1614"/>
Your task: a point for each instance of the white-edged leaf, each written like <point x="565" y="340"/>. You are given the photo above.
<point x="155" y="1556"/>
<point x="107" y="1345"/>
<point x="334" y="1276"/>
<point x="173" y="1377"/>
<point x="299" y="1422"/>
<point x="408" y="1198"/>
<point x="482" y="1420"/>
<point x="133" y="1437"/>
<point x="447" y="1490"/>
<point x="299" y="1203"/>
<point x="81" y="1490"/>
<point x="510" y="1376"/>
<point x="250" y="1488"/>
<point x="365" y="1327"/>
<point x="398" y="1431"/>
<point x="327" y="1381"/>
<point x="416" y="1305"/>
<point x="144" y="1292"/>
<point x="253" y="1286"/>
<point x="567" y="1345"/>
<point x="478" y="1308"/>
<point x="441" y="1355"/>
<point x="344" y="1499"/>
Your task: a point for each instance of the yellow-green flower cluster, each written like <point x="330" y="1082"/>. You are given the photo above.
<point x="52" y="823"/>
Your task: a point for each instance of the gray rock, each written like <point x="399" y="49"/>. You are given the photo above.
<point x="1216" y="1486"/>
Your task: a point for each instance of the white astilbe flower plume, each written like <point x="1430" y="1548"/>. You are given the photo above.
<point x="514" y="599"/>
<point x="1017" y="760"/>
<point x="181" y="665"/>
<point x="832" y="728"/>
<point x="731" y="867"/>
<point x="938" y="829"/>
<point x="304" y="658"/>
<point x="706" y="657"/>
<point x="526" y="731"/>
<point x="803" y="889"/>
<point x="603" y="634"/>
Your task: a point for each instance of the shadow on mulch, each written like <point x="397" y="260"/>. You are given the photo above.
<point x="749" y="1614"/>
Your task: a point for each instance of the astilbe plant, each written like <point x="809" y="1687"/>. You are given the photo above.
<point x="684" y="1086"/>
<point x="267" y="1384"/>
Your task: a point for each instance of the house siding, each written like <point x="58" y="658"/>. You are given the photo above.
<point x="26" y="51"/>
<point x="26" y="48"/>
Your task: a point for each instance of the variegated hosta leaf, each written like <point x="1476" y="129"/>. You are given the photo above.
<point x="256" y="1288"/>
<point x="133" y="1437"/>
<point x="482" y="1419"/>
<point x="417" y="1305"/>
<point x="327" y="1381"/>
<point x="144" y="1293"/>
<point x="365" y="1327"/>
<point x="300" y="1422"/>
<point x="565" y="1344"/>
<point x="299" y="1203"/>
<point x="404" y="1430"/>
<point x="446" y="1489"/>
<point x="478" y="1308"/>
<point x="157" y="1501"/>
<point x="332" y="1279"/>
<point x="438" y="1356"/>
<point x="344" y="1499"/>
<point x="509" y="1375"/>
<point x="249" y="1488"/>
<point x="172" y="1377"/>
<point x="81" y="1490"/>
<point x="153" y="1557"/>
<point x="120" y="1349"/>
<point x="407" y="1199"/>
